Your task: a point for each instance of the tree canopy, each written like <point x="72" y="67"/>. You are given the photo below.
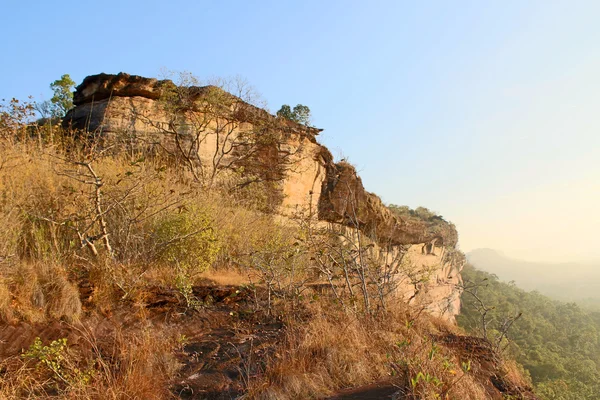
<point x="300" y="113"/>
<point x="557" y="343"/>
<point x="63" y="94"/>
<point x="61" y="101"/>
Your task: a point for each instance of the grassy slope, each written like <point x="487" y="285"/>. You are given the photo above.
<point x="141" y="320"/>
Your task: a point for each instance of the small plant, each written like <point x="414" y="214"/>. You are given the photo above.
<point x="433" y="351"/>
<point x="449" y="366"/>
<point x="183" y="283"/>
<point x="54" y="358"/>
<point x="182" y="341"/>
<point x="466" y="366"/>
<point x="50" y="356"/>
<point x="426" y="378"/>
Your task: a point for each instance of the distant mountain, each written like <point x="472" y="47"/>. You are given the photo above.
<point x="565" y="281"/>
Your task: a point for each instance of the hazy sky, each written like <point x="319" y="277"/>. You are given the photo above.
<point x="485" y="111"/>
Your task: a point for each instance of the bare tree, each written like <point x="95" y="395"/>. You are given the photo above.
<point x="493" y="327"/>
<point x="217" y="129"/>
<point x="358" y="268"/>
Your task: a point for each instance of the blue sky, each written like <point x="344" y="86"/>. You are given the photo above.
<point x="484" y="111"/>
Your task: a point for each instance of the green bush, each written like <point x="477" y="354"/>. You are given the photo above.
<point x="187" y="240"/>
<point x="55" y="360"/>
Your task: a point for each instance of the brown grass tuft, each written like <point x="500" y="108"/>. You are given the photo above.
<point x="6" y="312"/>
<point x="136" y="365"/>
<point x="41" y="291"/>
<point x="63" y="299"/>
<point x="334" y="350"/>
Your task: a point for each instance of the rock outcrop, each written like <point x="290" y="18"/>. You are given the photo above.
<point x="303" y="171"/>
<point x="344" y="200"/>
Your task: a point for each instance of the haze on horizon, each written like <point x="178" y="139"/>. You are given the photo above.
<point x="486" y="112"/>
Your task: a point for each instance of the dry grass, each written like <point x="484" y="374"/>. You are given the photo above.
<point x="136" y="365"/>
<point x="6" y="312"/>
<point x="335" y="350"/>
<point x="36" y="291"/>
<point x="42" y="201"/>
<point x="326" y="354"/>
<point x="146" y="365"/>
<point x="42" y="261"/>
<point x="224" y="276"/>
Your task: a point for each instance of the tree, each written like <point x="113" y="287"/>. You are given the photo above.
<point x="285" y="112"/>
<point x="557" y="343"/>
<point x="300" y="113"/>
<point x="217" y="131"/>
<point x="62" y="100"/>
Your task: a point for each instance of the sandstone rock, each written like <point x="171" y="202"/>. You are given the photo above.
<point x="95" y="88"/>
<point x="344" y="200"/>
<point x="129" y="107"/>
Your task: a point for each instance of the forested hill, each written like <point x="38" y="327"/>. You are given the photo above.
<point x="558" y="343"/>
<point x="573" y="282"/>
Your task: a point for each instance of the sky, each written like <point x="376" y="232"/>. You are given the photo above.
<point x="486" y="112"/>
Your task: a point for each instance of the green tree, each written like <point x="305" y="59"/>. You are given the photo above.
<point x="300" y="113"/>
<point x="285" y="112"/>
<point x="62" y="100"/>
<point x="557" y="343"/>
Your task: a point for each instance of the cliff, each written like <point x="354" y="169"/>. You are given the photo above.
<point x="225" y="134"/>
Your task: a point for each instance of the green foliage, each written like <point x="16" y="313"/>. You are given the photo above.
<point x="466" y="366"/>
<point x="50" y="356"/>
<point x="285" y="112"/>
<point x="187" y="240"/>
<point x="183" y="283"/>
<point x="300" y="113"/>
<point x="557" y="343"/>
<point x="426" y="378"/>
<point x="54" y="358"/>
<point x="62" y="100"/>
<point x="432" y="351"/>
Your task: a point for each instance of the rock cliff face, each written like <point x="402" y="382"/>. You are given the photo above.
<point x="132" y="109"/>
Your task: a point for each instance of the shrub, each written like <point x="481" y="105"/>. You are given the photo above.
<point x="187" y="240"/>
<point x="137" y="365"/>
<point x="55" y="361"/>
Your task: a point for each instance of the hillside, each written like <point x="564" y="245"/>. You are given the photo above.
<point x="563" y="281"/>
<point x="556" y="342"/>
<point x="176" y="241"/>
